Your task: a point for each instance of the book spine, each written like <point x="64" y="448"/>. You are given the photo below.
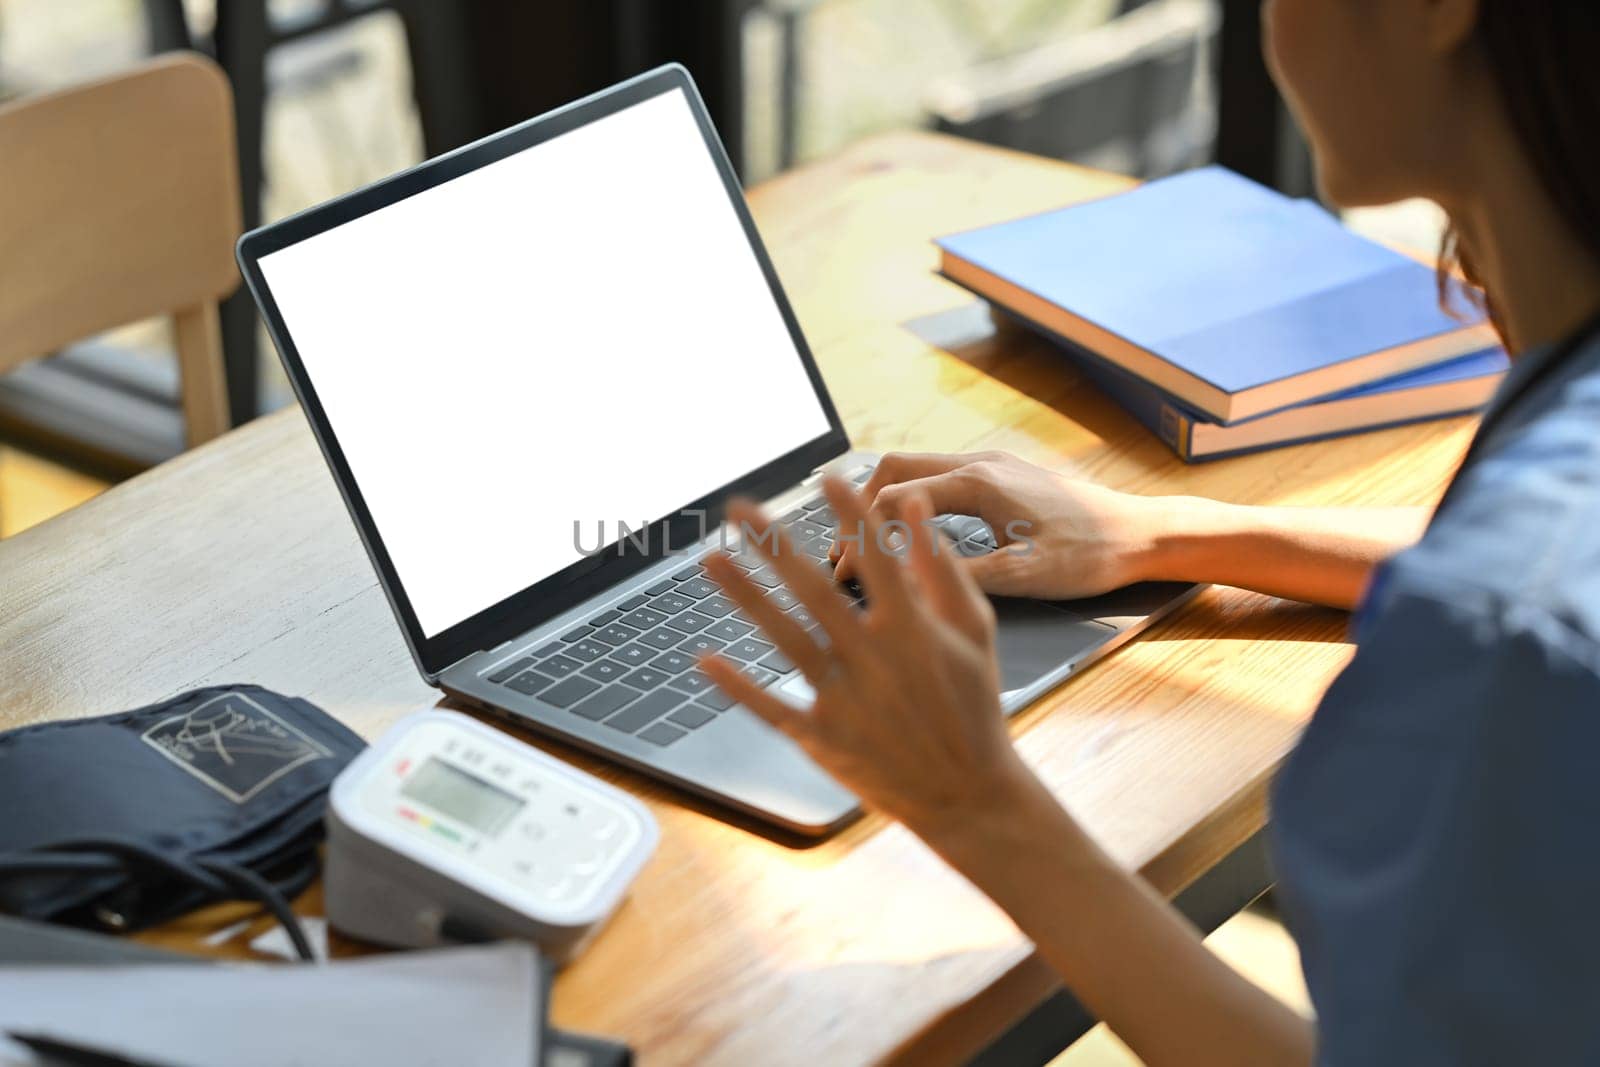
<point x="1176" y="430"/>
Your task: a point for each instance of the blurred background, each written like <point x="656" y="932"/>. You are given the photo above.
<point x="332" y="94"/>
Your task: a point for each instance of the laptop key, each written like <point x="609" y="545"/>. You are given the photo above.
<point x="729" y="629"/>
<point x="633" y="655"/>
<point x="670" y="604"/>
<point x="662" y="734"/>
<point x="955" y="527"/>
<point x="604" y="617"/>
<point x="644" y="618"/>
<point x="672" y="662"/>
<point x="816" y="548"/>
<point x="572" y="635"/>
<point x="815" y="502"/>
<point x="688" y="572"/>
<point x="759" y="675"/>
<point x="689" y="622"/>
<point x="824" y="517"/>
<point x="692" y="682"/>
<point x="715" y="606"/>
<point x="646" y="710"/>
<point x="605" y="702"/>
<point x="803" y="618"/>
<point x="804" y="530"/>
<point x="777" y="662"/>
<point x="636" y="601"/>
<point x="557" y="666"/>
<point x="616" y="634"/>
<point x="587" y="650"/>
<point x="749" y="558"/>
<point x="698" y="588"/>
<point x="660" y="587"/>
<point x="645" y="678"/>
<point x="513" y="668"/>
<point x="548" y="650"/>
<point x="661" y="637"/>
<point x="716" y="699"/>
<point x="691" y="716"/>
<point x="566" y="693"/>
<point x="605" y="670"/>
<point x="748" y="649"/>
<point x="698" y="643"/>
<point x="529" y="682"/>
<point x="783" y="598"/>
<point x="767" y="577"/>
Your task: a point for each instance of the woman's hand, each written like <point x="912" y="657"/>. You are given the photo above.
<point x="907" y="715"/>
<point x="1058" y="538"/>
<point x="907" y="708"/>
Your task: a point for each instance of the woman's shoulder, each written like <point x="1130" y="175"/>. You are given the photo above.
<point x="1522" y="526"/>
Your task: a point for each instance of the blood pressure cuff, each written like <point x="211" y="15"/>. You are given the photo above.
<point x="128" y="820"/>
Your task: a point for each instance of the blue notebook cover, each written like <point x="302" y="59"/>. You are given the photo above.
<point x="1220" y="291"/>
<point x="1411" y="397"/>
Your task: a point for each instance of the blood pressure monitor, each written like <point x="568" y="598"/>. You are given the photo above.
<point x="446" y="826"/>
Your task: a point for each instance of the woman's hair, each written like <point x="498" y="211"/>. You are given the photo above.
<point x="1545" y="57"/>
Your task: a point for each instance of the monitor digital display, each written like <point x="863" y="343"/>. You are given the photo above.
<point x="462" y="796"/>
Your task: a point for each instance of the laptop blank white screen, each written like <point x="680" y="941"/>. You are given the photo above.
<point x="576" y="333"/>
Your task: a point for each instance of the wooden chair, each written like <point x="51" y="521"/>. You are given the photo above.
<point x="119" y="201"/>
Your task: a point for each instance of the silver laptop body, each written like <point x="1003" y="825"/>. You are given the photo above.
<point x="575" y="315"/>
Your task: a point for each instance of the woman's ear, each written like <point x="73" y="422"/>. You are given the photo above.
<point x="1449" y="24"/>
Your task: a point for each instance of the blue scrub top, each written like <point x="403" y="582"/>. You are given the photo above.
<point x="1436" y="833"/>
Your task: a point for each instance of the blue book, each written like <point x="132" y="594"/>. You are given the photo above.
<point x="1232" y="298"/>
<point x="1456" y="387"/>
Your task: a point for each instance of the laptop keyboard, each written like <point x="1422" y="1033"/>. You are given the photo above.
<point x="632" y="667"/>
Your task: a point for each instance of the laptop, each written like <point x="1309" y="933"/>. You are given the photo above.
<point x="537" y="366"/>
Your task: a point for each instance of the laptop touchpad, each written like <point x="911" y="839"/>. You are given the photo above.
<point x="1035" y="638"/>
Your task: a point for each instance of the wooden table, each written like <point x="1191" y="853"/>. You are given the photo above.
<point x="237" y="563"/>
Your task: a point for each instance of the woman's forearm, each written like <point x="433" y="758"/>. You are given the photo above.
<point x="1126" y="954"/>
<point x="1317" y="555"/>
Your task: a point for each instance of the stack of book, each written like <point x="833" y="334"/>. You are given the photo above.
<point x="1229" y="318"/>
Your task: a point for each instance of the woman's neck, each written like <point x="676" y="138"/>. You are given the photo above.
<point x="1542" y="280"/>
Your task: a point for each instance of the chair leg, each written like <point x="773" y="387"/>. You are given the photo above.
<point x="200" y="373"/>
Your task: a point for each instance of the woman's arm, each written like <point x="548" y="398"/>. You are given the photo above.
<point x="1318" y="555"/>
<point x="907" y="715"/>
<point x="1128" y="956"/>
<point x="1062" y="538"/>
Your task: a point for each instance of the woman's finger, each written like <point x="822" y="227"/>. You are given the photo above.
<point x="1003" y="572"/>
<point x="897" y="468"/>
<point x="908" y="466"/>
<point x="880" y="570"/>
<point x="951" y="491"/>
<point x="955" y="595"/>
<point x="778" y="627"/>
<point x="776" y="712"/>
<point x="805" y="579"/>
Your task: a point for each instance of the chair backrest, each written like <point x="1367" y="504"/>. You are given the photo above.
<point x="119" y="201"/>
